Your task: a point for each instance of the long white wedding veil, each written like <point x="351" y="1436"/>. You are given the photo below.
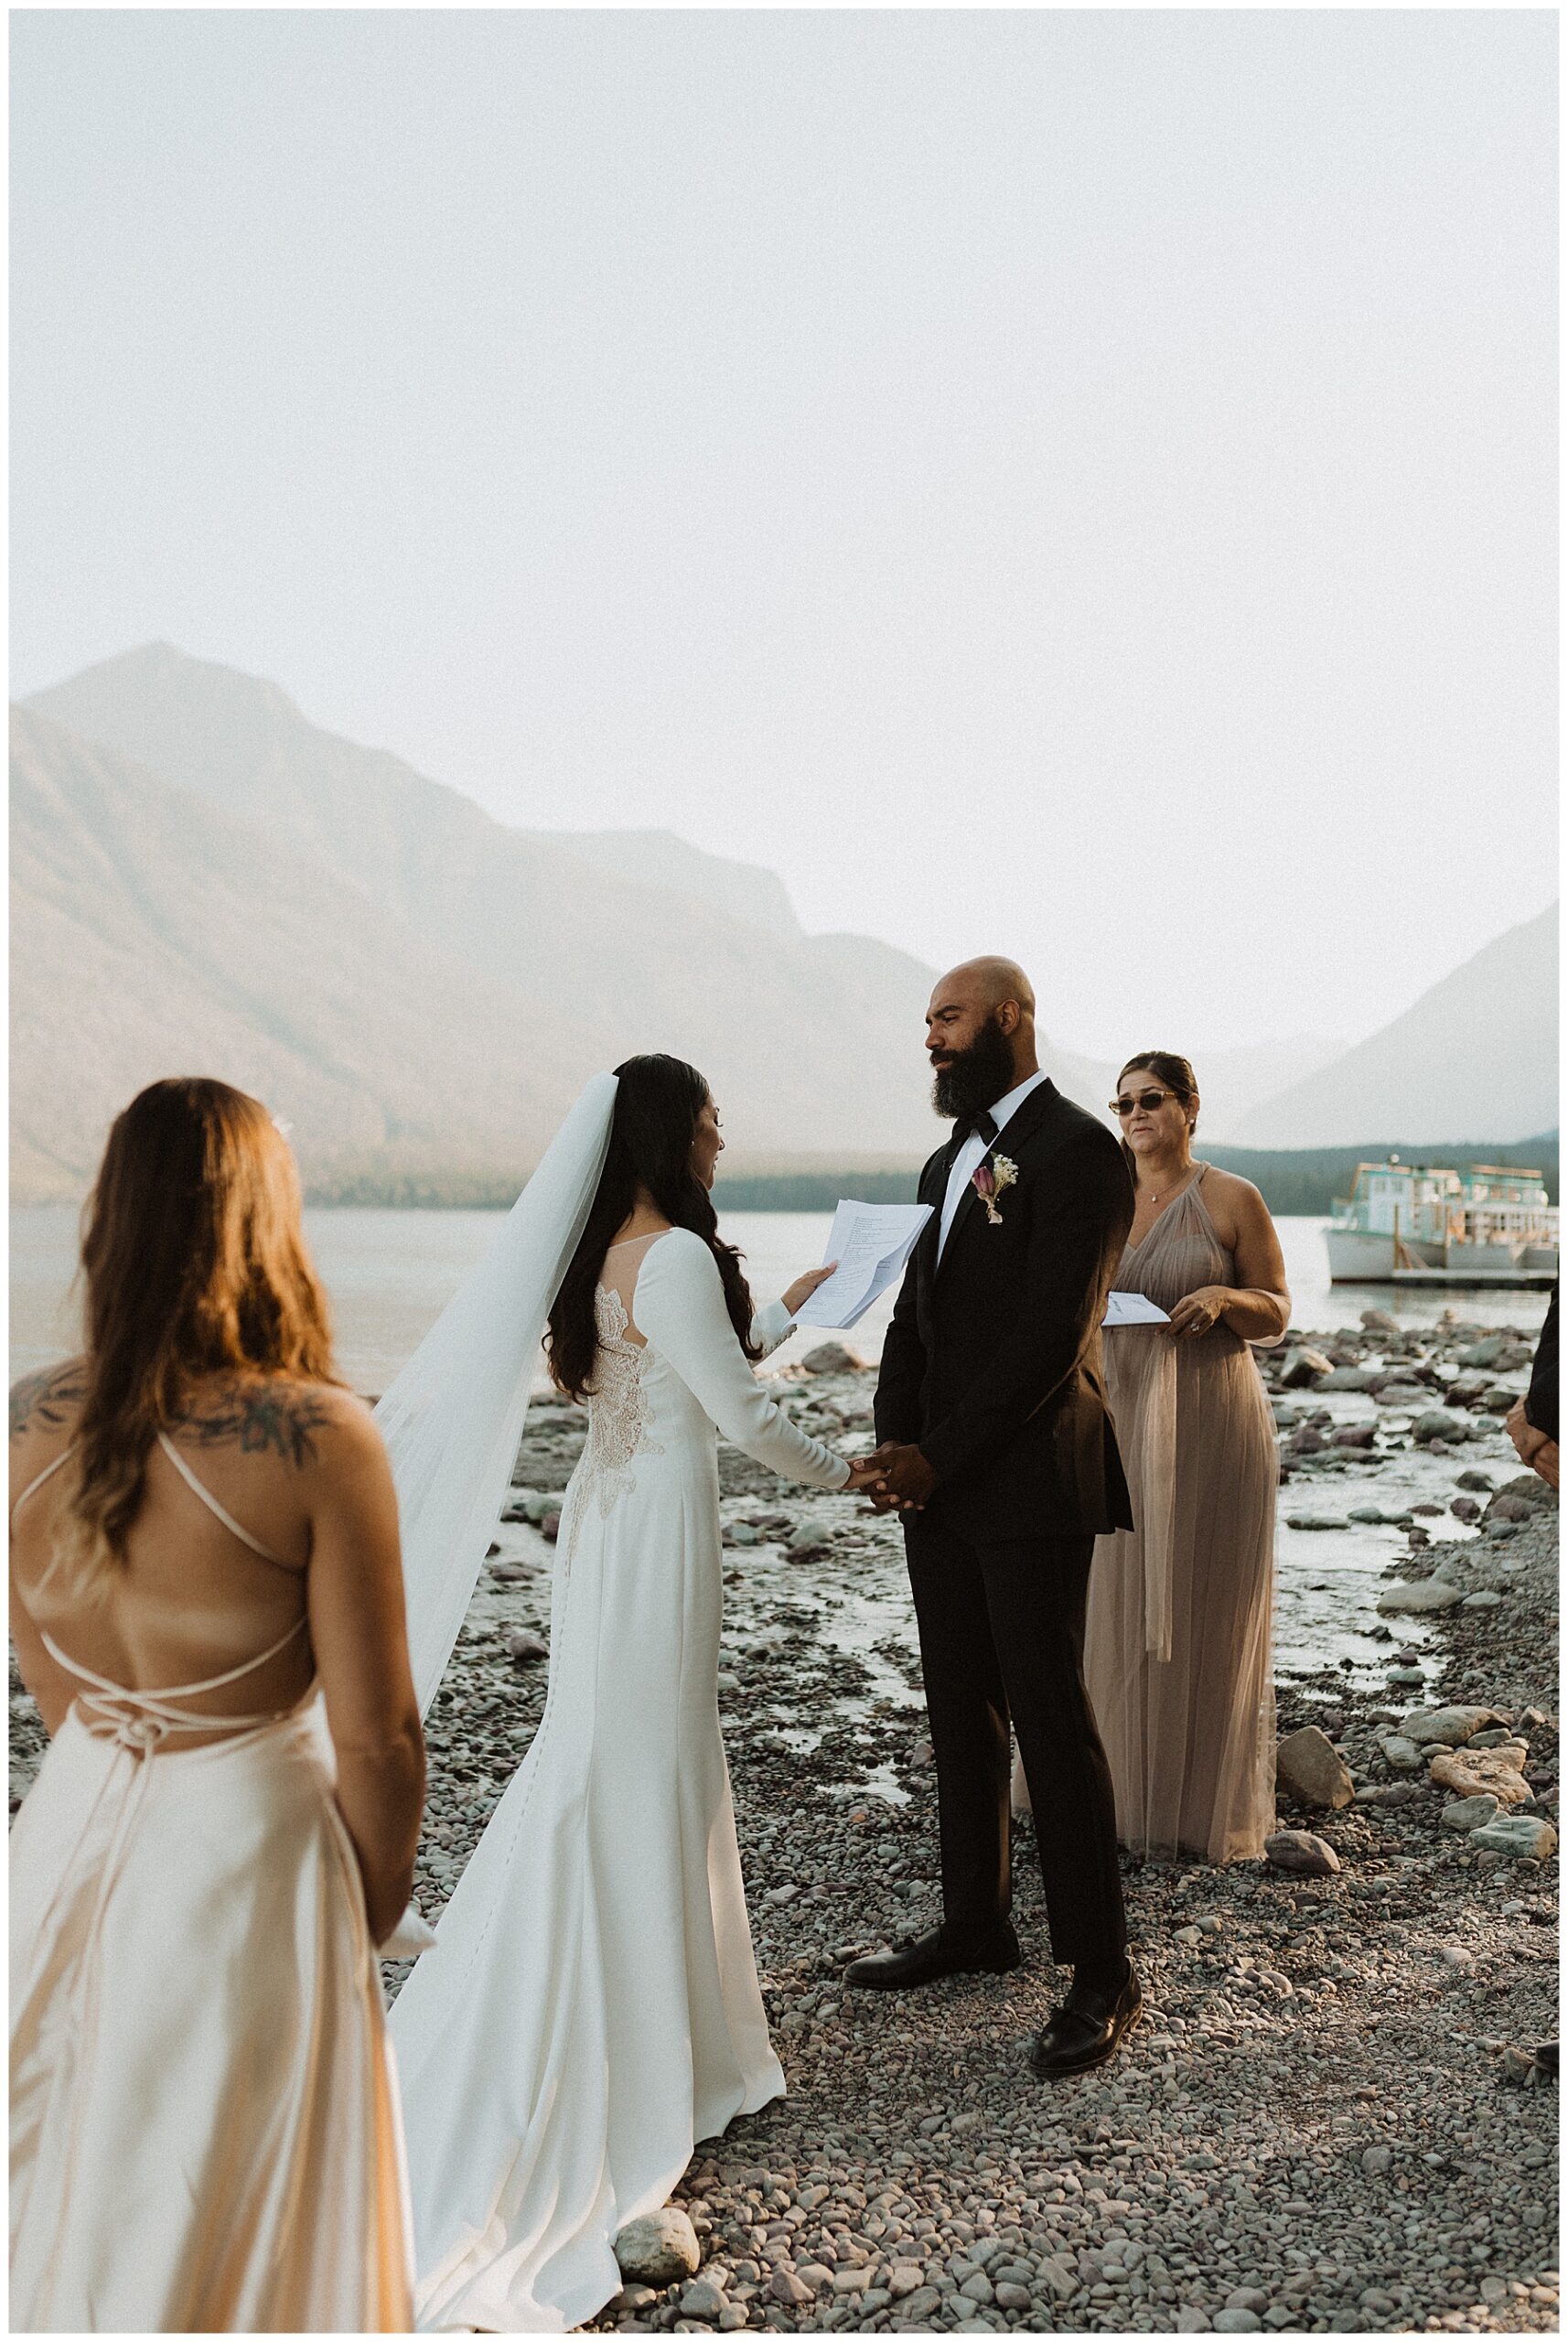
<point x="452" y="1418"/>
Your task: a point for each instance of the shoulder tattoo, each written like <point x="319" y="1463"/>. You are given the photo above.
<point x="43" y="1401"/>
<point x="266" y="1420"/>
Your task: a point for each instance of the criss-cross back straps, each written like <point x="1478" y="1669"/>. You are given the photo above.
<point x="153" y="1714"/>
<point x="37" y="1480"/>
<point x="161" y="1705"/>
<point x="197" y="1487"/>
<point x="201" y="1489"/>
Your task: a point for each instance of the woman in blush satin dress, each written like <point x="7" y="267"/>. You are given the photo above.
<point x="592" y="2007"/>
<point x="206" y="1604"/>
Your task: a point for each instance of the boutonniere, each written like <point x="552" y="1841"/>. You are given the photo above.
<point x="992" y="1179"/>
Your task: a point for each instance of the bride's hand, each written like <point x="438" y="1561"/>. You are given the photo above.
<point x="867" y="1477"/>
<point x="803" y="1287"/>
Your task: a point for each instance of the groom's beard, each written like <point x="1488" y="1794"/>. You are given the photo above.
<point x="976" y="1077"/>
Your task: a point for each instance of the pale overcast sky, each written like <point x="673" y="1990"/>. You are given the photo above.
<point x="1076" y="484"/>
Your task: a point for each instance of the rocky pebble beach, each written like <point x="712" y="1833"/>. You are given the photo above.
<point x="1334" y="2118"/>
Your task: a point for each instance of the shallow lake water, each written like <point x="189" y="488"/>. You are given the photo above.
<point x="388" y="1274"/>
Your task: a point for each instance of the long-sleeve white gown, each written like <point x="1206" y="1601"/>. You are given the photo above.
<point x="592" y="2006"/>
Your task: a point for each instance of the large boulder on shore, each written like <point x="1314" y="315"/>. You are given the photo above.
<point x="1529" y="1490"/>
<point x="1426" y="1594"/>
<point x="1453" y="1727"/>
<point x="660" y="2249"/>
<point x="1521" y="1835"/>
<point x="1309" y="1768"/>
<point x="1469" y="1813"/>
<point x="1478" y="1772"/>
<point x="1397" y="1393"/>
<point x="1443" y="1423"/>
<point x="832" y="1358"/>
<point x="1299" y="1851"/>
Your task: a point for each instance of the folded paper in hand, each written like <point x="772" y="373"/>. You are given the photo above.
<point x="871" y="1243"/>
<point x="1134" y="1309"/>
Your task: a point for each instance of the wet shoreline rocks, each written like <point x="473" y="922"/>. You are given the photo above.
<point x="1331" y="2121"/>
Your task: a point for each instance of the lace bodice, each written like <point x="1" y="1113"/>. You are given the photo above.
<point x="667" y="1399"/>
<point x="619" y="1408"/>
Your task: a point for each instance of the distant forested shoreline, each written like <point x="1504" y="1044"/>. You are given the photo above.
<point x="1305" y="1181"/>
<point x="1300" y="1181"/>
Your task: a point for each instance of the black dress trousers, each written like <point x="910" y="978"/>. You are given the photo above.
<point x="1001" y="1625"/>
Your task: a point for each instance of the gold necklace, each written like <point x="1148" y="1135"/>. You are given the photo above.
<point x="1155" y="1193"/>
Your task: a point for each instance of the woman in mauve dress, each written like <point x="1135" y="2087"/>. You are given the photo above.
<point x="1177" y="1642"/>
<point x="1178" y="1639"/>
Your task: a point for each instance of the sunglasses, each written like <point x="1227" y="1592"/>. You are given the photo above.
<point x="1147" y="1099"/>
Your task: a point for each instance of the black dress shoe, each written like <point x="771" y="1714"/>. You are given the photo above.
<point x="1087" y="2028"/>
<point x="921" y="1959"/>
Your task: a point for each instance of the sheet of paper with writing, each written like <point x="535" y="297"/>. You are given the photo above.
<point x="870" y="1243"/>
<point x="1134" y="1309"/>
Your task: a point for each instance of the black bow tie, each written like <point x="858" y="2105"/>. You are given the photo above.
<point x="984" y="1123"/>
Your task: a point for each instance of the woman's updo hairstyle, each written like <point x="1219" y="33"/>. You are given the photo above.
<point x="658" y="1103"/>
<point x="1177" y="1077"/>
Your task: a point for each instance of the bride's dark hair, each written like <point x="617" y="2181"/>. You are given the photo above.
<point x="658" y="1102"/>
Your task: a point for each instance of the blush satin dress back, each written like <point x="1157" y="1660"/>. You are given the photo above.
<point x="204" y="2124"/>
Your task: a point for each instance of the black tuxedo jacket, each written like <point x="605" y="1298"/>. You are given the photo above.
<point x="1541" y="1399"/>
<point x="993" y="1361"/>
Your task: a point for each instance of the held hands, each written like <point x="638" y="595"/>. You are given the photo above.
<point x="1523" y="1433"/>
<point x="795" y="1296"/>
<point x="898" y="1478"/>
<point x="1534" y="1447"/>
<point x="864" y="1473"/>
<point x="1199" y="1311"/>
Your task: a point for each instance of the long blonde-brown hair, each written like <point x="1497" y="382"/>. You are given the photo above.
<point x="194" y="1263"/>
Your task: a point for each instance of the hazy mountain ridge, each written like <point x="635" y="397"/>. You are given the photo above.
<point x="202" y="878"/>
<point x="811" y="1042"/>
<point x="1476" y="1054"/>
<point x="152" y="934"/>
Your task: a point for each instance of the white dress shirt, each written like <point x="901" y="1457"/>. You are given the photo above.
<point x="973" y="1152"/>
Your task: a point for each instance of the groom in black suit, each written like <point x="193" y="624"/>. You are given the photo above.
<point x="996" y="1447"/>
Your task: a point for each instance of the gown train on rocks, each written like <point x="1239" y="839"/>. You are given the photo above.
<point x="592" y="2006"/>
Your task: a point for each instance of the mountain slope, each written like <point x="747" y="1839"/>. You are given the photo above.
<point x="152" y="934"/>
<point x="1475" y="1059"/>
<point x="1235" y="1081"/>
<point x="812" y="1044"/>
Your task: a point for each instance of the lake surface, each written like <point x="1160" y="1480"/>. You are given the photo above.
<point x="390" y="1273"/>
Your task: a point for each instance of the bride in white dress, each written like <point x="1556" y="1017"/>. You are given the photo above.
<point x="592" y="2008"/>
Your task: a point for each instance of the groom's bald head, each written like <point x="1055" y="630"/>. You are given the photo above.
<point x="981" y="1023"/>
<point x="993" y="982"/>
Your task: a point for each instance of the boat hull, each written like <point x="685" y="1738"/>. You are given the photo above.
<point x="1360" y="1256"/>
<point x="1363" y="1256"/>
